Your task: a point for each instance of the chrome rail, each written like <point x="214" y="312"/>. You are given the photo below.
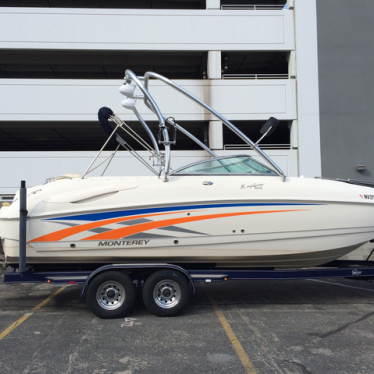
<point x="154" y="141"/>
<point x="121" y="124"/>
<point x="255" y="76"/>
<point x="88" y="170"/>
<point x="125" y="127"/>
<point x="155" y="152"/>
<point x="149" y="132"/>
<point x="262" y="146"/>
<point x="252" y="7"/>
<point x="150" y="103"/>
<point x="130" y="76"/>
<point x="197" y="141"/>
<point x="233" y="128"/>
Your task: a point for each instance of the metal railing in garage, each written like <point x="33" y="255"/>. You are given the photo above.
<point x="255" y="76"/>
<point x="228" y="147"/>
<point x="251" y="7"/>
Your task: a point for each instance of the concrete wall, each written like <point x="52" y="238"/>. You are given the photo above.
<point x="64" y="100"/>
<point x="307" y="88"/>
<point x="346" y="87"/>
<point x="142" y="30"/>
<point x="145" y="29"/>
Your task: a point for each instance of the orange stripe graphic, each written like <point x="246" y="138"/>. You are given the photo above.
<point x="62" y="234"/>
<point x="126" y="231"/>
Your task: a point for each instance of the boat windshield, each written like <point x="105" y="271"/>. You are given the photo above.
<point x="226" y="165"/>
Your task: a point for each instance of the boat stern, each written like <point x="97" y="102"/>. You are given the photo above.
<point x="9" y="230"/>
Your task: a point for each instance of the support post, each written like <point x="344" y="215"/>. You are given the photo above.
<point x="214" y="65"/>
<point x="213" y="4"/>
<point x="22" y="227"/>
<point x="215" y="135"/>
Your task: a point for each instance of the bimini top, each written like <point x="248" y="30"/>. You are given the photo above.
<point x="241" y="164"/>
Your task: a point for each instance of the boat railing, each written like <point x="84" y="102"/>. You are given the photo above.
<point x="255" y="76"/>
<point x="151" y="104"/>
<point x="178" y="88"/>
<point x="227" y="147"/>
<point x="155" y="153"/>
<point x="252" y="7"/>
<point x="163" y="160"/>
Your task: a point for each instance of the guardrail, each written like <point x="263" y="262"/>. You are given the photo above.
<point x="252" y="7"/>
<point x="227" y="147"/>
<point x="255" y="76"/>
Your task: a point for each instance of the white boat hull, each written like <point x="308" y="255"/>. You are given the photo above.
<point x="265" y="223"/>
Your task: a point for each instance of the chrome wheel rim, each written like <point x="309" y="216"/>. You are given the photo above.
<point x="110" y="295"/>
<point x="167" y="294"/>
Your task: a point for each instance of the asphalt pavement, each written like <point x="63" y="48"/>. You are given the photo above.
<point x="287" y="327"/>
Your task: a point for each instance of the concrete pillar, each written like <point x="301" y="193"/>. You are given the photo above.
<point x="294" y="138"/>
<point x="213" y="4"/>
<point x="214" y="65"/>
<point x="215" y="127"/>
<point x="215" y="135"/>
<point x="307" y="88"/>
<point x="292" y="64"/>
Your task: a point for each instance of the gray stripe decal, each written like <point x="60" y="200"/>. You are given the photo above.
<point x="146" y="236"/>
<point x="99" y="230"/>
<point x="134" y="221"/>
<point x="179" y="229"/>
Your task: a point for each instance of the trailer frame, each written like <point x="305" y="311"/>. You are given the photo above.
<point x="184" y="276"/>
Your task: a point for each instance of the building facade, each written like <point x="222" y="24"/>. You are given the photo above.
<point x="346" y="81"/>
<point x="250" y="60"/>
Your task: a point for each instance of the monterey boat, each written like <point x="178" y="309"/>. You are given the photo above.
<point x="231" y="211"/>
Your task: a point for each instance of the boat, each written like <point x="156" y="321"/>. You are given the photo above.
<point x="223" y="212"/>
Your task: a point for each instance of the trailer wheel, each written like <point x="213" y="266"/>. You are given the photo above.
<point x="110" y="294"/>
<point x="166" y="293"/>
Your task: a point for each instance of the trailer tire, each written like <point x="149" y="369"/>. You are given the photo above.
<point x="110" y="294"/>
<point x="166" y="293"/>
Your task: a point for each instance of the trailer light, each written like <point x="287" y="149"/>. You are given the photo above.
<point x="225" y="279"/>
<point x="48" y="281"/>
<point x="71" y="282"/>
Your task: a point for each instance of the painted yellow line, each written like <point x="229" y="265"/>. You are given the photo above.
<point x="233" y="339"/>
<point x="49" y="298"/>
<point x="27" y="315"/>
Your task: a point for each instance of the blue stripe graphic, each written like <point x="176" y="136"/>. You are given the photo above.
<point x="124" y="213"/>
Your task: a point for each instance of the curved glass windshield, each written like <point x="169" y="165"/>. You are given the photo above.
<point x="227" y="165"/>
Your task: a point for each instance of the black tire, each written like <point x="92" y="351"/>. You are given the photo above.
<point x="110" y="294"/>
<point x="166" y="293"/>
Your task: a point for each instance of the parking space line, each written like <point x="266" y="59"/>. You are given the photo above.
<point x="233" y="339"/>
<point x="27" y="315"/>
<point x="341" y="285"/>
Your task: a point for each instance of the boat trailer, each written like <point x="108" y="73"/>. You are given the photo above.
<point x="166" y="287"/>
